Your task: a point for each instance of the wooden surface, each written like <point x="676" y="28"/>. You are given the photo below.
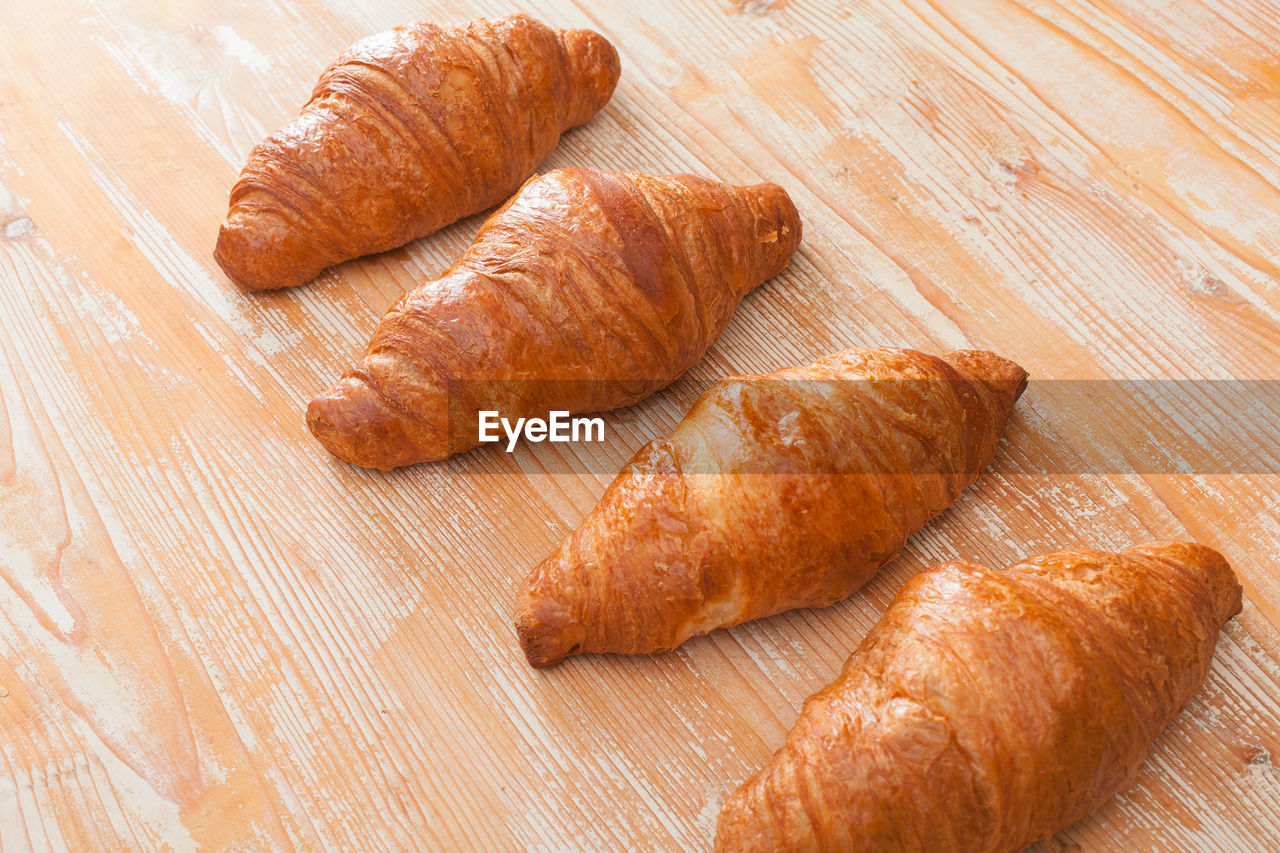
<point x="214" y="636"/>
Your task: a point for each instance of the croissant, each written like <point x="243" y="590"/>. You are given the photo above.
<point x="406" y="132"/>
<point x="587" y="291"/>
<point x="989" y="709"/>
<point x="774" y="492"/>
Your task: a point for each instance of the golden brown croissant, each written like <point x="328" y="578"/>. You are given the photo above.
<point x="989" y="709"/>
<point x="406" y="132"/>
<point x="587" y="291"/>
<point x="775" y="492"/>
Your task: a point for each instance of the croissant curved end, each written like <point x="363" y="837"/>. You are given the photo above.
<point x="260" y="250"/>
<point x="240" y="253"/>
<point x="776" y="223"/>
<point x="594" y="68"/>
<point x="357" y="425"/>
<point x="548" y="631"/>
<point x="1225" y="589"/>
<point x="1003" y="376"/>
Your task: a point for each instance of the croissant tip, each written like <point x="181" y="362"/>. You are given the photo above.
<point x="535" y="651"/>
<point x="356" y="424"/>
<point x="997" y="371"/>
<point x="594" y="67"/>
<point x="1186" y="553"/>
<point x="542" y="646"/>
<point x="1209" y="562"/>
<point x="777" y="225"/>
<point x="548" y="633"/>
<point x="233" y="256"/>
<point x="249" y="248"/>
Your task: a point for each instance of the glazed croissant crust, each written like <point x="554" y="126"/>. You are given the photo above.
<point x="989" y="709"/>
<point x="774" y="492"/>
<point x="406" y="132"/>
<point x="587" y="291"/>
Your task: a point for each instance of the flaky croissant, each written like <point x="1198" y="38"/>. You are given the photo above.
<point x="587" y="291"/>
<point x="989" y="709"/>
<point x="406" y="132"/>
<point x="774" y="492"/>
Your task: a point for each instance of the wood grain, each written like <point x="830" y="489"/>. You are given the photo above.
<point x="216" y="637"/>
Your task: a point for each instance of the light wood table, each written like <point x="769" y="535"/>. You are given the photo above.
<point x="215" y="636"/>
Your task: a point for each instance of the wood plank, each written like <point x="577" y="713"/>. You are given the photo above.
<point x="214" y="636"/>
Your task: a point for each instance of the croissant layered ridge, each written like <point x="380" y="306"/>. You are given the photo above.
<point x="989" y="709"/>
<point x="587" y="291"/>
<point x="406" y="132"/>
<point x="775" y="492"/>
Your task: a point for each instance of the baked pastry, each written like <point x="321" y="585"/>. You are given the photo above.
<point x="587" y="291"/>
<point x="989" y="709"/>
<point x="774" y="492"/>
<point x="408" y="131"/>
